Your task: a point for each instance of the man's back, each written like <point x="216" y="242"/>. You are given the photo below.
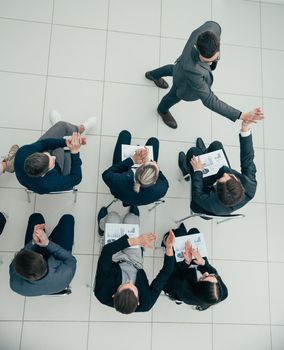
<point x="59" y="275"/>
<point x="53" y="180"/>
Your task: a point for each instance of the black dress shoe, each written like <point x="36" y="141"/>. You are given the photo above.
<point x="102" y="214"/>
<point x="168" y="119"/>
<point x="182" y="163"/>
<point x="161" y="83"/>
<point x="201" y="145"/>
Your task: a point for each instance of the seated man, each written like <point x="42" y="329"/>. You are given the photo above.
<point x="45" y="265"/>
<point x="143" y="185"/>
<point x="228" y="190"/>
<point x="121" y="281"/>
<point x="44" y="166"/>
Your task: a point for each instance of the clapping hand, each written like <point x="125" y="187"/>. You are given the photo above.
<point x="197" y="257"/>
<point x="75" y="142"/>
<point x="147" y="240"/>
<point x="39" y="236"/>
<point x="187" y="253"/>
<point x="140" y="156"/>
<point x="196" y="163"/>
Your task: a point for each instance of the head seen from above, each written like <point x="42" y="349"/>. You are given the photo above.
<point x="208" y="289"/>
<point x="230" y="190"/>
<point x="146" y="175"/>
<point x="125" y="300"/>
<point x="30" y="265"/>
<point x="208" y="46"/>
<point x="38" y="164"/>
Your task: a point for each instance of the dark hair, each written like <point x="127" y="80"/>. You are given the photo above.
<point x="125" y="301"/>
<point x="30" y="265"/>
<point x="36" y="164"/>
<point x="209" y="293"/>
<point x="230" y="192"/>
<point x="208" y="44"/>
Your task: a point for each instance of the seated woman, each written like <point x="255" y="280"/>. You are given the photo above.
<point x="195" y="281"/>
<point x="135" y="186"/>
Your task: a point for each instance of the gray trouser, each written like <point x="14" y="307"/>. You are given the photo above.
<point x="131" y="255"/>
<point x="57" y="131"/>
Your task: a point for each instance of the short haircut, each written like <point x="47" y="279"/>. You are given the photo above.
<point x="208" y="44"/>
<point x="125" y="301"/>
<point x="30" y="265"/>
<point x="230" y="192"/>
<point x="36" y="164"/>
<point x="146" y="175"/>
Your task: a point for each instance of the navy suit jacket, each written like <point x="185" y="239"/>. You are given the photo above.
<point x="53" y="180"/>
<point x="109" y="277"/>
<point x="204" y="198"/>
<point x="120" y="180"/>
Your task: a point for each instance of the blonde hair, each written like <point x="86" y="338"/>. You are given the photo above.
<point x="146" y="175"/>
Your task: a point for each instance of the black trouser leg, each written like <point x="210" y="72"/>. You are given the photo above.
<point x="124" y="138"/>
<point x="63" y="233"/>
<point x="164" y="71"/>
<point x="168" y="100"/>
<point x="154" y="142"/>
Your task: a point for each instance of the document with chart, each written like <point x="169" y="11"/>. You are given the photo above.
<point x="115" y="231"/>
<point x="197" y="241"/>
<point x="213" y="161"/>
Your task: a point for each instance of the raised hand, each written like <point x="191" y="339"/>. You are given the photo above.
<point x="145" y="240"/>
<point x="39" y="236"/>
<point x="75" y="142"/>
<point x="197" y="257"/>
<point x="252" y="116"/>
<point x="187" y="253"/>
<point x="196" y="163"/>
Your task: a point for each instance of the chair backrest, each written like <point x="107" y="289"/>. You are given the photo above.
<point x="73" y="190"/>
<point x="222" y="218"/>
<point x="63" y="292"/>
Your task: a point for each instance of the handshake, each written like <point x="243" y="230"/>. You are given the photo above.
<point x="74" y="143"/>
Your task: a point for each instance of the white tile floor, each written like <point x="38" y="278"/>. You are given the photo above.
<point x="88" y="57"/>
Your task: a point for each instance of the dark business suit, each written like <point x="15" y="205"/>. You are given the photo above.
<point x="54" y="180"/>
<point x="109" y="277"/>
<point x="204" y="198"/>
<point x="120" y="180"/>
<point x="180" y="285"/>
<point x="192" y="79"/>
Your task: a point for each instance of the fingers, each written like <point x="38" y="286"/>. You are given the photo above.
<point x="194" y="160"/>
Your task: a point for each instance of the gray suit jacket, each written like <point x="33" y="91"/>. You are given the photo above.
<point x="61" y="269"/>
<point x="194" y="78"/>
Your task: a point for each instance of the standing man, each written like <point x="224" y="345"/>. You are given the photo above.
<point x="192" y="77"/>
<point x="46" y="264"/>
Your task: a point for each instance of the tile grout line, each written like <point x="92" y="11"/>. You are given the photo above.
<point x="98" y="164"/>
<point x="128" y="83"/>
<point x="47" y="67"/>
<point x="265" y="177"/>
<point x="132" y="33"/>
